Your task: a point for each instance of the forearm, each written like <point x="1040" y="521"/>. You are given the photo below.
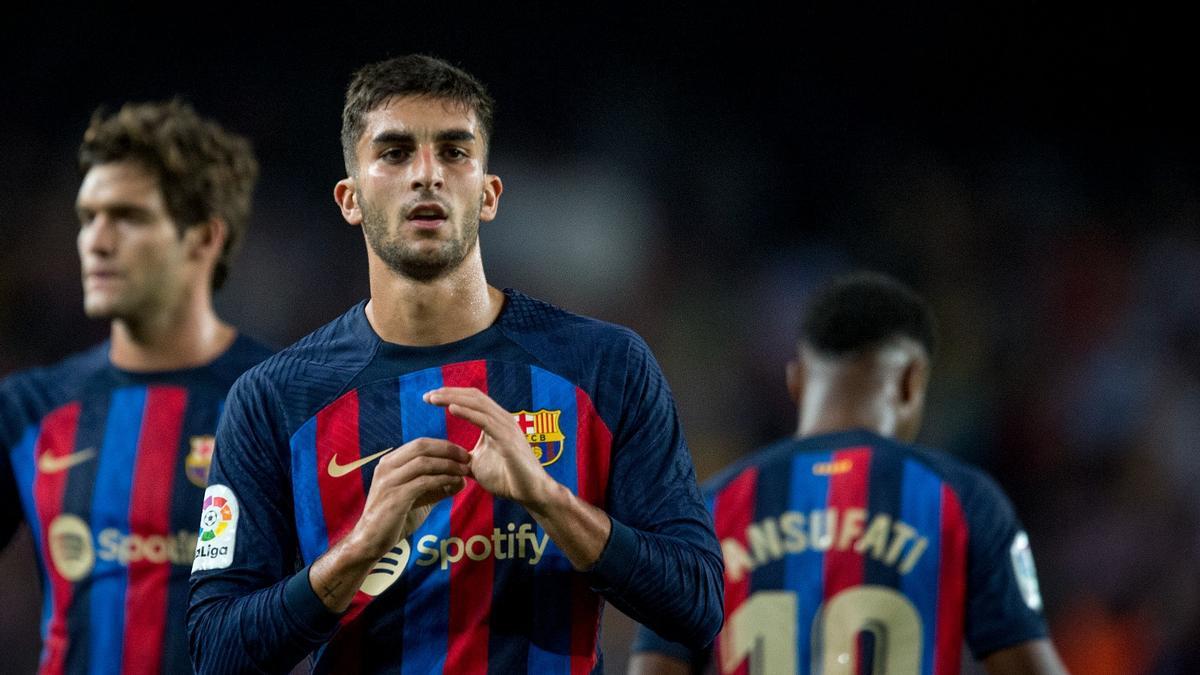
<point x="579" y="529"/>
<point x="336" y="576"/>
<point x="664" y="582"/>
<point x="269" y="630"/>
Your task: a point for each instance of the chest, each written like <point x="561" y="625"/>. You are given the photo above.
<point x="118" y="473"/>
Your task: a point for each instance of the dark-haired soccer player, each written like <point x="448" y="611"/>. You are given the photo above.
<point x="463" y="472"/>
<point x="107" y="453"/>
<point x="849" y="550"/>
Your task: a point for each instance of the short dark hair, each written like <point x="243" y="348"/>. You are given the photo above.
<point x="202" y="170"/>
<point x="411" y="75"/>
<point x="861" y="311"/>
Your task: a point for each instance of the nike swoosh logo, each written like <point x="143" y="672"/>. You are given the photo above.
<point x="49" y="463"/>
<point x="338" y="470"/>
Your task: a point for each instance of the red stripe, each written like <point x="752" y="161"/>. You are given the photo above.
<point x="343" y="497"/>
<point x="952" y="586"/>
<point x="593" y="450"/>
<point x="733" y="513"/>
<point x="57" y="437"/>
<point x="848" y="494"/>
<point x="150" y="516"/>
<point x="470" y="515"/>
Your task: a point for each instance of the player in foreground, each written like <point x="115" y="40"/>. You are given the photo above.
<point x="106" y="453"/>
<point x="849" y="550"/>
<point x="462" y="472"/>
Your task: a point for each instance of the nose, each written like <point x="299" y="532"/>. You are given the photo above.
<point x="98" y="236"/>
<point x="427" y="170"/>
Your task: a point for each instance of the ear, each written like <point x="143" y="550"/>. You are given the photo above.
<point x="795" y="380"/>
<point x="913" y="382"/>
<point x="345" y="193"/>
<point x="206" y="240"/>
<point x="492" y="187"/>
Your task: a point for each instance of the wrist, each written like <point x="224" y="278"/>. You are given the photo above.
<point x="552" y="497"/>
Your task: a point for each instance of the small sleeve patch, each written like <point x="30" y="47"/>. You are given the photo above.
<point x="218" y="529"/>
<point x="1027" y="581"/>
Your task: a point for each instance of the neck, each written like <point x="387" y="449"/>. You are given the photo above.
<point x="844" y="397"/>
<point x="190" y="336"/>
<point x="452" y="307"/>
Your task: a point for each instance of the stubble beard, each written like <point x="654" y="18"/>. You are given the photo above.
<point x="407" y="260"/>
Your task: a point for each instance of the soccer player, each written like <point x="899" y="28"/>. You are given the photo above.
<point x="848" y="549"/>
<point x="106" y="454"/>
<point x="461" y="472"/>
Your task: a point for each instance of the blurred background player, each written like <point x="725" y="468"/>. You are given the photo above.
<point x="849" y="550"/>
<point x="106" y="453"/>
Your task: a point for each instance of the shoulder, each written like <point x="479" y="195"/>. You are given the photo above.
<point x="766" y="458"/>
<point x="316" y="367"/>
<point x="581" y="347"/>
<point x="533" y="318"/>
<point x="27" y="395"/>
<point x="58" y="378"/>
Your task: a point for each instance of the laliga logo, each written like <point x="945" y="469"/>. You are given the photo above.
<point x="215" y="519"/>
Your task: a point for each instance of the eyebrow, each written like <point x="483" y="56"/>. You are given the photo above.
<point x="392" y="136"/>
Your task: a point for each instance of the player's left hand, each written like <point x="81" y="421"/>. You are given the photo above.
<point x="502" y="461"/>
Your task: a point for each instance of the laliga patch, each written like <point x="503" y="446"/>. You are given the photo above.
<point x="1027" y="581"/>
<point x="543" y="434"/>
<point x="218" y="529"/>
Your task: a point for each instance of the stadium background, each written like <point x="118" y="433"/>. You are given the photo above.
<point x="693" y="176"/>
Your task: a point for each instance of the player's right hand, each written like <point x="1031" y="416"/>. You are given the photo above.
<point x="406" y="484"/>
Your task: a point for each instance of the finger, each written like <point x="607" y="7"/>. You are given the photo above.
<point x="466" y="396"/>
<point x="428" y="447"/>
<point x="434" y="489"/>
<point x="419" y="467"/>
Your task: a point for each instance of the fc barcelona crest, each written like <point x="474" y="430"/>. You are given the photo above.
<point x="542" y="432"/>
<point x="198" y="460"/>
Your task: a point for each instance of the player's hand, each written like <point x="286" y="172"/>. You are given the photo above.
<point x="501" y="461"/>
<point x="407" y="482"/>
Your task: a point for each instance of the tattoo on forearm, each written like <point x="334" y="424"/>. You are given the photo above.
<point x="328" y="589"/>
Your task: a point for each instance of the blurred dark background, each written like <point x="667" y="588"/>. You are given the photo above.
<point x="694" y="174"/>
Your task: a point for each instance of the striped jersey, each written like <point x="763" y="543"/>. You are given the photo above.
<point x="479" y="587"/>
<point x="850" y="552"/>
<point x="108" y="467"/>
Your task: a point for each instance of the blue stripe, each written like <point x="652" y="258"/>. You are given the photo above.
<point x="310" y="516"/>
<point x="921" y="507"/>
<point x="804" y="573"/>
<point x="427" y="604"/>
<point x="110" y="509"/>
<point x="550" y="646"/>
<point x="23" y="463"/>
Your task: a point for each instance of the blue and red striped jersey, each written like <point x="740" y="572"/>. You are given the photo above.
<point x="108" y="467"/>
<point x="851" y="552"/>
<point x="479" y="587"/>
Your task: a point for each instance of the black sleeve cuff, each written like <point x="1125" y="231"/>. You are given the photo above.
<point x="306" y="609"/>
<point x="611" y="572"/>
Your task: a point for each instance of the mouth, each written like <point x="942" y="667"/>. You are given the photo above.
<point x="426" y="215"/>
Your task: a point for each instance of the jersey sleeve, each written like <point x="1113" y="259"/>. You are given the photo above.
<point x="250" y="610"/>
<point x="1004" y="606"/>
<point x="662" y="565"/>
<point x="10" y="502"/>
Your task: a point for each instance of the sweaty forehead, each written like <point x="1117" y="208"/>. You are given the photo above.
<point x="420" y="116"/>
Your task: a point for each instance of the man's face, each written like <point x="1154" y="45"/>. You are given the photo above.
<point x="133" y="260"/>
<point x="421" y="188"/>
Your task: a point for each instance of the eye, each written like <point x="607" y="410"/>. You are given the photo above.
<point x="454" y="153"/>
<point x="395" y="155"/>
